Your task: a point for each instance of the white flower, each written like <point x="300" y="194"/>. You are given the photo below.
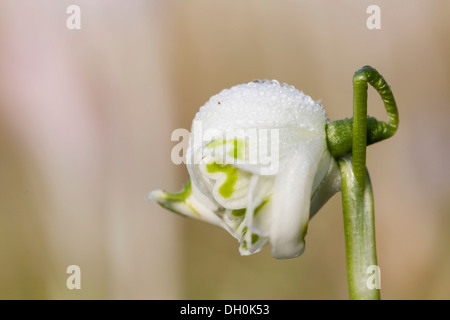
<point x="261" y="168"/>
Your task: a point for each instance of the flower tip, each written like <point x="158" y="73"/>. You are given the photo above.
<point x="287" y="252"/>
<point x="156" y="196"/>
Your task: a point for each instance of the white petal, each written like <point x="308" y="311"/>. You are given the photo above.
<point x="196" y="176"/>
<point x="291" y="198"/>
<point x="329" y="185"/>
<point x="256" y="222"/>
<point x="210" y="211"/>
<point x="264" y="153"/>
<point x="260" y="193"/>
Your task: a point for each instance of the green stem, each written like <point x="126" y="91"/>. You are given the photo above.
<point x="359" y="141"/>
<point x="359" y="226"/>
<point x="352" y="136"/>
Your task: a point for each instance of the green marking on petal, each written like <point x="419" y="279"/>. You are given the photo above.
<point x="304" y="231"/>
<point x="239" y="147"/>
<point x="170" y="207"/>
<point x="255" y="238"/>
<point x="179" y="196"/>
<point x="227" y="188"/>
<point x="167" y="200"/>
<point x="239" y="212"/>
<point x="215" y="143"/>
<point x="193" y="209"/>
<point x="258" y="208"/>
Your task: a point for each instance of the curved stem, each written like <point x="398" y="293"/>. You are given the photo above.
<point x="361" y="78"/>
<point x="340" y="133"/>
<point x="353" y="135"/>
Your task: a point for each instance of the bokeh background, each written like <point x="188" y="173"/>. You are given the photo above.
<point x="86" y="118"/>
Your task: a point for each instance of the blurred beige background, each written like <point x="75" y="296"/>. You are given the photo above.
<point x="85" y="123"/>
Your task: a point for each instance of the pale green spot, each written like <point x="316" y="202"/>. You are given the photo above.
<point x="237" y="147"/>
<point x="227" y="188"/>
<point x="215" y="143"/>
